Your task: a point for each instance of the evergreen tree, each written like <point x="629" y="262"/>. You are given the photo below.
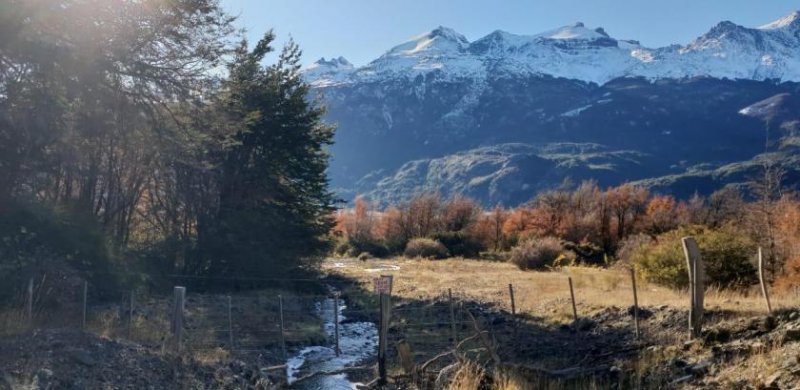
<point x="275" y="209"/>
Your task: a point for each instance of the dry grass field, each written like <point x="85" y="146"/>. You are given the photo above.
<point x="544" y="294"/>
<point x="754" y="355"/>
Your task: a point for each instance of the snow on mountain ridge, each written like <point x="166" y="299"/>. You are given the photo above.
<point x="727" y="50"/>
<point x="786" y="21"/>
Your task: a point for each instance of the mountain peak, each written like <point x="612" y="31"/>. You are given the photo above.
<point x="448" y="33"/>
<point x="792" y="19"/>
<point x="438" y="41"/>
<point x="575" y="31"/>
<point x="339" y="62"/>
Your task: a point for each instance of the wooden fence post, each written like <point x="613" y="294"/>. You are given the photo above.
<point x="283" y="335"/>
<point x="85" y="295"/>
<point x="453" y="331"/>
<point x="336" y="322"/>
<point x="177" y="316"/>
<point x="635" y="304"/>
<point x="383" y="338"/>
<point x="763" y="281"/>
<point x="29" y="303"/>
<point x="130" y="316"/>
<point x="696" y="284"/>
<point x="572" y="295"/>
<point x="230" y="323"/>
<point x="513" y="308"/>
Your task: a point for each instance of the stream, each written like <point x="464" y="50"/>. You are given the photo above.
<point x="358" y="341"/>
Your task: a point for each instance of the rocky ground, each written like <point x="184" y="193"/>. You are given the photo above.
<point x="70" y="359"/>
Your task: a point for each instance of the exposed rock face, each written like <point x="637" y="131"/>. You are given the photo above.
<point x="694" y="115"/>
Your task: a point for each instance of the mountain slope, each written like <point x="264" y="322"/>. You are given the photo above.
<point x="437" y="113"/>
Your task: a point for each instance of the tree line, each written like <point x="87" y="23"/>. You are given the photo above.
<point x="586" y="224"/>
<point x="149" y="136"/>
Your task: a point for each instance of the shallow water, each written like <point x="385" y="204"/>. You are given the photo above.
<point x="358" y="341"/>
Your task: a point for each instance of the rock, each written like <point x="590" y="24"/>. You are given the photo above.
<point x="791" y="334"/>
<point x="643" y="312"/>
<point x="691" y="345"/>
<point x="42" y="379"/>
<point x="773" y="382"/>
<point x="83" y="357"/>
<point x="719" y="335"/>
<point x="584" y="324"/>
<point x="5" y="382"/>
<point x="700" y="368"/>
<point x="680" y="363"/>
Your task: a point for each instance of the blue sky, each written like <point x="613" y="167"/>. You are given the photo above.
<point x="361" y="30"/>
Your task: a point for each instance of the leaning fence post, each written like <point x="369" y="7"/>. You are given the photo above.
<point x="696" y="284"/>
<point x="513" y="307"/>
<point x="283" y="336"/>
<point x="572" y="295"/>
<point x="453" y="330"/>
<point x="83" y="312"/>
<point x="635" y="304"/>
<point x="29" y="303"/>
<point x="177" y="316"/>
<point x="230" y="323"/>
<point x="763" y="282"/>
<point x="336" y="322"/>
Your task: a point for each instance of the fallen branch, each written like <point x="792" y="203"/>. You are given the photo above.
<point x="484" y="339"/>
<point x="453" y="351"/>
<point x="564" y="373"/>
<point x="611" y="353"/>
<point x="282" y="367"/>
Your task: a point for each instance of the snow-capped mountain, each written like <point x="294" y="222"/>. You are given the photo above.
<point x="728" y="50"/>
<point x="506" y="116"/>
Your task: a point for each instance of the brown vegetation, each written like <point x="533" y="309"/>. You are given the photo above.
<point x="594" y="226"/>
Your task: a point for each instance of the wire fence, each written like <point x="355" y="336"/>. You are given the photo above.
<point x="271" y="321"/>
<point x="268" y="320"/>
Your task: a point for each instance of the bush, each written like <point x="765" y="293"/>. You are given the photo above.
<point x="342" y="248"/>
<point x="631" y="245"/>
<point x="373" y="247"/>
<point x="355" y="248"/>
<point x="536" y="253"/>
<point x="427" y="248"/>
<point x="35" y="238"/>
<point x="726" y="255"/>
<point x="585" y="253"/>
<point x="790" y="279"/>
<point x="459" y="243"/>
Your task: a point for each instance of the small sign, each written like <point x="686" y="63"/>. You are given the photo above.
<point x="383" y="284"/>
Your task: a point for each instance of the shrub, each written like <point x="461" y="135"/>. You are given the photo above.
<point x="459" y="243"/>
<point x="427" y="248"/>
<point x="585" y="253"/>
<point x="631" y="245"/>
<point x="35" y="237"/>
<point x="373" y="247"/>
<point x="790" y="279"/>
<point x="536" y="253"/>
<point x="342" y="248"/>
<point x="726" y="255"/>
